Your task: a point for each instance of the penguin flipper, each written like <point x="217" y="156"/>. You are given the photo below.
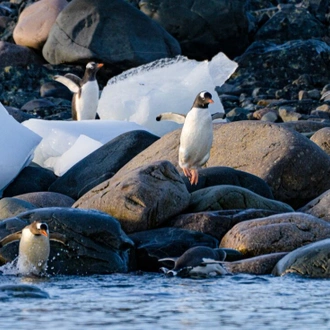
<point x="74" y="78"/>
<point x="57" y="237"/>
<point x="11" y="238"/>
<point x="172" y="116"/>
<point x="74" y="88"/>
<point x="218" y="115"/>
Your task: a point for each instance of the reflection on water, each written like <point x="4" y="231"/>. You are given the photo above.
<point x="152" y="301"/>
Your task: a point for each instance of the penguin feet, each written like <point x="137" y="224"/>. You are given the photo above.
<point x="191" y="174"/>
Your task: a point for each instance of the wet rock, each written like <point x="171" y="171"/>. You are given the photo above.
<point x="226" y="197"/>
<point x="311" y="261"/>
<point x="216" y="223"/>
<point x="160" y="243"/>
<point x="224" y="23"/>
<point x="277" y="233"/>
<point x="42" y="179"/>
<point x="96" y="243"/>
<point x="38" y="17"/>
<point x="260" y="265"/>
<point x="119" y="35"/>
<point x="141" y="199"/>
<point x="18" y="114"/>
<point x="102" y="164"/>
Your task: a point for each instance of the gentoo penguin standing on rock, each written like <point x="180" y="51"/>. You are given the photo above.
<point x="34" y="247"/>
<point x="196" y="137"/>
<point x="85" y="91"/>
<point x="198" y="261"/>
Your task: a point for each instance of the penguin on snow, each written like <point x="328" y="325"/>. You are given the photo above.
<point x="34" y="247"/>
<point x="85" y="91"/>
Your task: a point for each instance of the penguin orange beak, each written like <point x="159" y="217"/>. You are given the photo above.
<point x="211" y="101"/>
<point x="43" y="232"/>
<point x="99" y="65"/>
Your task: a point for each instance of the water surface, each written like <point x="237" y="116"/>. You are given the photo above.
<point x="153" y="301"/>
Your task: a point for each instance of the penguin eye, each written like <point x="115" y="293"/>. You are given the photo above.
<point x="42" y="226"/>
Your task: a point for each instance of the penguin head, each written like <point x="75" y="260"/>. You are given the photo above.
<point x="93" y="67"/>
<point x="203" y="99"/>
<point x="39" y="228"/>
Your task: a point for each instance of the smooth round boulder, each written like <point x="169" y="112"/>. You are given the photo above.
<point x="46" y="199"/>
<point x="95" y="242"/>
<point x="216" y="223"/>
<point x="311" y="260"/>
<point x="226" y="197"/>
<point x="35" y="22"/>
<point x="141" y="199"/>
<point x="102" y="164"/>
<point x="166" y="242"/>
<point x="276" y="233"/>
<point x="118" y="35"/>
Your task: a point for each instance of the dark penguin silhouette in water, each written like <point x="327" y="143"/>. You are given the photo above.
<point x="85" y="91"/>
<point x="34" y="247"/>
<point x="196" y="135"/>
<point x="198" y="261"/>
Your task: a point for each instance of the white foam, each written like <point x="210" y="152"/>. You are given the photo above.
<point x="167" y="85"/>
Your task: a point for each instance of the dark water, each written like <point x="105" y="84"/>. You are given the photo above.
<point x="152" y="301"/>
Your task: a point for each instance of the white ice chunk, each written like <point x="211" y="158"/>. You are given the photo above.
<point x="16" y="150"/>
<point x="59" y="138"/>
<point x="167" y="85"/>
<point x="80" y="149"/>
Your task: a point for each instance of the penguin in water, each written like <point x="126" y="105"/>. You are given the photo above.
<point x="85" y="91"/>
<point x="34" y="247"/>
<point x="196" y="137"/>
<point x="198" y="261"/>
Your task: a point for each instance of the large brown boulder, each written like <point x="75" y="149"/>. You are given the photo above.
<point x="35" y="22"/>
<point x="277" y="233"/>
<point x="295" y="168"/>
<point x="141" y="199"/>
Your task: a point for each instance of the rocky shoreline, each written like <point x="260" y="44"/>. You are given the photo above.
<point x="264" y="193"/>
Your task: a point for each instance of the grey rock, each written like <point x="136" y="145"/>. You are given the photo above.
<point x="119" y="35"/>
<point x="46" y="199"/>
<point x="276" y="233"/>
<point x="311" y="261"/>
<point x="216" y="223"/>
<point x="322" y="139"/>
<point x="141" y="199"/>
<point x="10" y="207"/>
<point x="259" y="265"/>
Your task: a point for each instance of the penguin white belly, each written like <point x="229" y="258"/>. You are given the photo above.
<point x="196" y="139"/>
<point x="87" y="101"/>
<point x="33" y="253"/>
